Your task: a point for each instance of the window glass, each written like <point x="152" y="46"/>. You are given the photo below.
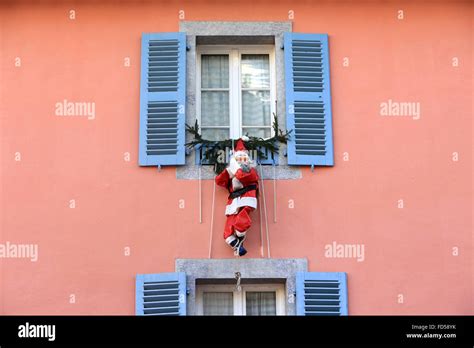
<point x="215" y="96"/>
<point x="218" y="303"/>
<point x="260" y="303"/>
<point x="238" y="106"/>
<point x="214" y="108"/>
<point x="215" y="71"/>
<point x="255" y="71"/>
<point x="256" y="109"/>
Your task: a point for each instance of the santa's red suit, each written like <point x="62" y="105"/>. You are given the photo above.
<point x="242" y="183"/>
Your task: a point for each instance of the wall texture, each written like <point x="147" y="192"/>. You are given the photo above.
<point x="401" y="186"/>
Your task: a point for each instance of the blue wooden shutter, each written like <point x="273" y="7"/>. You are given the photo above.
<point x="321" y="293"/>
<point x="161" y="294"/>
<point x="308" y="99"/>
<point x="162" y="99"/>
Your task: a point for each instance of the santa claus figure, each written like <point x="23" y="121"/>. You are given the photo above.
<point x="241" y="179"/>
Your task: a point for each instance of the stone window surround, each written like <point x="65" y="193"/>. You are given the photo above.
<point x="205" y="32"/>
<point x="253" y="271"/>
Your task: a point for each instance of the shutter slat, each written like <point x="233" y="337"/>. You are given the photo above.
<point x="321" y="302"/>
<point x="162" y="304"/>
<point x="162" y="311"/>
<point x="161" y="294"/>
<point x="310" y="126"/>
<point x="308" y="99"/>
<point x="158" y="297"/>
<point x="321" y="293"/>
<point x="162" y="99"/>
<point x="162" y="314"/>
<point x="321" y="297"/>
<point x="321" y="314"/>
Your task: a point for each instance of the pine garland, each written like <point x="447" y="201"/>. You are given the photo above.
<point x="213" y="150"/>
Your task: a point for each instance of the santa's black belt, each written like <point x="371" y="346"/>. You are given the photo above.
<point x="240" y="192"/>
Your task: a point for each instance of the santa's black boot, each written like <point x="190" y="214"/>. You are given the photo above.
<point x="242" y="250"/>
<point x="234" y="243"/>
<point x="240" y="246"/>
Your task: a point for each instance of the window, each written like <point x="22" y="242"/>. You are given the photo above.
<point x="225" y="299"/>
<point x="317" y="293"/>
<point x="235" y="95"/>
<point x="235" y="91"/>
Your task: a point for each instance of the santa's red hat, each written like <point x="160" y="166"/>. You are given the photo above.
<point x="240" y="145"/>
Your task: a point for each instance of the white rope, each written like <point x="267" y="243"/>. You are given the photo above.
<point x="274" y="176"/>
<point x="200" y="195"/>
<point x="265" y="213"/>
<point x="261" y="228"/>
<point x="212" y="216"/>
<point x="274" y="194"/>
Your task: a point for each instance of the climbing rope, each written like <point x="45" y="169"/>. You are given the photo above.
<point x="265" y="212"/>
<point x="212" y="216"/>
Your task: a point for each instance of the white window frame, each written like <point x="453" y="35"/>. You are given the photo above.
<point x="235" y="53"/>
<point x="240" y="296"/>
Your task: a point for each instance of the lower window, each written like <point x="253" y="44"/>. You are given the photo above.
<point x="261" y="299"/>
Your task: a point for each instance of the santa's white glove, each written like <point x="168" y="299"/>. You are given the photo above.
<point x="236" y="184"/>
<point x="233" y="167"/>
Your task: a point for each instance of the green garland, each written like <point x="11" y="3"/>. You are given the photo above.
<point x="213" y="150"/>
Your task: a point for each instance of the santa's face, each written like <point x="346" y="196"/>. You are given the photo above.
<point x="242" y="158"/>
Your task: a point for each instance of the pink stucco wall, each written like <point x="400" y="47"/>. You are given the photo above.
<point x="408" y="251"/>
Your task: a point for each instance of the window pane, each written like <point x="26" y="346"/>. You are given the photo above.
<point x="214" y="109"/>
<point x="255" y="71"/>
<point x="257" y="132"/>
<point x="214" y="71"/>
<point x="260" y="303"/>
<point x="218" y="303"/>
<point x="215" y="133"/>
<point x="256" y="108"/>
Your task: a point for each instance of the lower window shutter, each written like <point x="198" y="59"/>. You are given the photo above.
<point x="162" y="99"/>
<point x="161" y="294"/>
<point x="308" y="99"/>
<point x="321" y="293"/>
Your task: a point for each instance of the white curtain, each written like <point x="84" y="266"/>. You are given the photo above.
<point x="260" y="303"/>
<point x="215" y="103"/>
<point x="218" y="303"/>
<point x="214" y="108"/>
<point x="255" y="71"/>
<point x="215" y="71"/>
<point x="256" y="95"/>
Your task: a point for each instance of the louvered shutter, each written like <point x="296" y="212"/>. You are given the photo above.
<point x="321" y="293"/>
<point x="308" y="99"/>
<point x="162" y="99"/>
<point x="161" y="294"/>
